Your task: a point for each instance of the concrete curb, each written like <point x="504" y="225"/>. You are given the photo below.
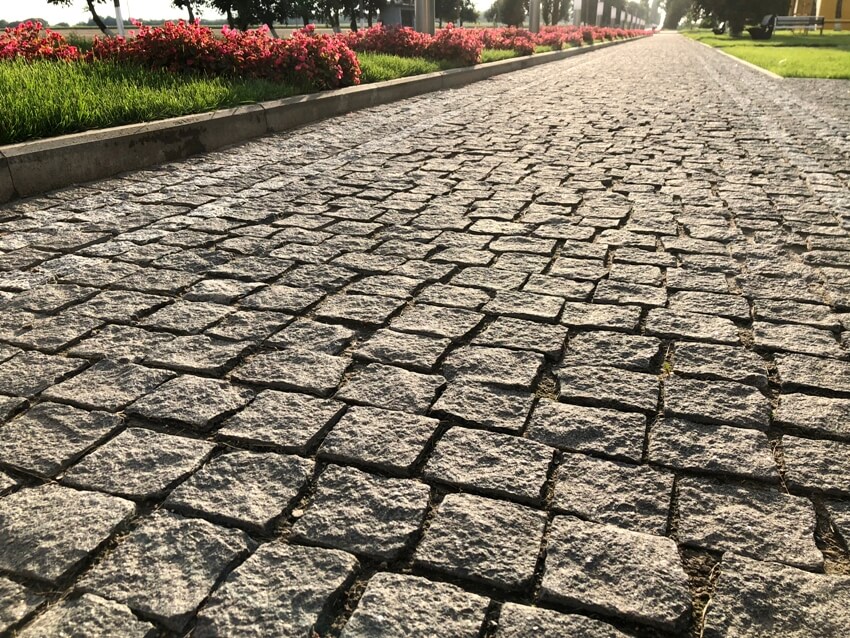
<point x="31" y="168"/>
<point x="754" y="67"/>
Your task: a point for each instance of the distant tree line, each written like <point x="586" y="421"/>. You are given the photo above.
<point x="735" y="13"/>
<point x="245" y="14"/>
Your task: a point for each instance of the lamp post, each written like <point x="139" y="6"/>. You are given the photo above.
<point x="423" y="16"/>
<point x="534" y="16"/>
<point x="118" y="19"/>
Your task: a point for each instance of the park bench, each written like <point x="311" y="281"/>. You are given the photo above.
<point x="771" y="23"/>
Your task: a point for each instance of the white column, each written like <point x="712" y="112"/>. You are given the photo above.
<point x="577" y="12"/>
<point x="423" y="17"/>
<point x="600" y="9"/>
<point x="534" y="16"/>
<point x="118" y="18"/>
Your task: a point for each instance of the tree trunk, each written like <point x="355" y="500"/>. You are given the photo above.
<point x="353" y="22"/>
<point x="270" y="25"/>
<point x="306" y="19"/>
<point x="370" y="14"/>
<point x="230" y="18"/>
<point x="335" y="20"/>
<point x="100" y="24"/>
<point x="191" y="12"/>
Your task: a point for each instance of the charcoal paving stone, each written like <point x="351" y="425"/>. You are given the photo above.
<point x="392" y="388"/>
<point x="801" y="371"/>
<point x="51" y="436"/>
<point x="525" y="305"/>
<point x="819" y="416"/>
<point x="621" y="292"/>
<point x="138" y="463"/>
<point x="108" y="385"/>
<point x="388" y="440"/>
<point x="588" y="269"/>
<point x="161" y="281"/>
<point x="28" y="373"/>
<point x="601" y="316"/>
<point x="760" y="523"/>
<point x="686" y="279"/>
<point x="712" y="304"/>
<point x="605" y="386"/>
<point x="822" y="466"/>
<point x="484" y="406"/>
<point x="286" y="420"/>
<point x="561" y="287"/>
<point x="616" y="572"/>
<point x="194" y="401"/>
<point x="633" y="497"/>
<point x="195" y="353"/>
<point x="405" y="605"/>
<point x="496" y="366"/>
<point x="243" y="488"/>
<point x="294" y="369"/>
<point x="794" y="338"/>
<point x="313" y="335"/>
<point x="369" y="310"/>
<point x="51" y="298"/>
<point x="453" y="296"/>
<point x="187" y="317"/>
<point x="613" y="349"/>
<point x="281" y="590"/>
<point x="723" y="363"/>
<point x="416" y="352"/>
<point x="490" y="278"/>
<point x="385" y="286"/>
<point x="363" y="513"/>
<point x="246" y="325"/>
<point x="453" y="323"/>
<point x="281" y="298"/>
<point x="49" y="530"/>
<point x="18" y="602"/>
<point x="791" y="602"/>
<point x="712" y="449"/>
<point x="500" y="465"/>
<point x="506" y="332"/>
<point x="519" y="621"/>
<point x="483" y="540"/>
<point x="222" y="291"/>
<point x="88" y="615"/>
<point x="120" y="342"/>
<point x="577" y="428"/>
<point x="815" y="315"/>
<point x="121" y="305"/>
<point x="672" y="324"/>
<point x="720" y="402"/>
<point x="166" y="566"/>
<point x="637" y="274"/>
<point x="53" y="334"/>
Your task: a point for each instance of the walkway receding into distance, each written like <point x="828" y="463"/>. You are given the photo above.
<point x="561" y="353"/>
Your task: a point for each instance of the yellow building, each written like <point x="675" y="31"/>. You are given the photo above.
<point x="832" y="10"/>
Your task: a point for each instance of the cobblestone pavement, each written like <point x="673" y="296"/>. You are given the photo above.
<point x="562" y="353"/>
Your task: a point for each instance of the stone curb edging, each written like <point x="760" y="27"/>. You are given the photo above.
<point x="754" y="67"/>
<point x="31" y="168"/>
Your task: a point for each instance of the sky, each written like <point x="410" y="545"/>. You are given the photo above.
<point x="77" y="12"/>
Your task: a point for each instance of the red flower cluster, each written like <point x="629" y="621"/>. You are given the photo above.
<point x="308" y="58"/>
<point x="28" y="42"/>
<point x="463" y="45"/>
<point x="520" y="40"/>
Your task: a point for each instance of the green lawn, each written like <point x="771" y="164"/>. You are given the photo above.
<point x="45" y="99"/>
<point x="788" y="54"/>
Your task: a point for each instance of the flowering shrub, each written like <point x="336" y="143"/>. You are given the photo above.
<point x="508" y="38"/>
<point x="463" y="45"/>
<point x="402" y="41"/>
<point x="26" y="41"/>
<point x="319" y="61"/>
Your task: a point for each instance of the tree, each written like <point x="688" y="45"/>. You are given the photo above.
<point x="736" y="13"/>
<point x="90" y="4"/>
<point x="512" y="12"/>
<point x="304" y="9"/>
<point x="492" y="14"/>
<point x="468" y="12"/>
<point x="372" y="8"/>
<point x="189" y="5"/>
<point x="448" y="10"/>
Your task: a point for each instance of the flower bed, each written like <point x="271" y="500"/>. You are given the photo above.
<point x="49" y="87"/>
